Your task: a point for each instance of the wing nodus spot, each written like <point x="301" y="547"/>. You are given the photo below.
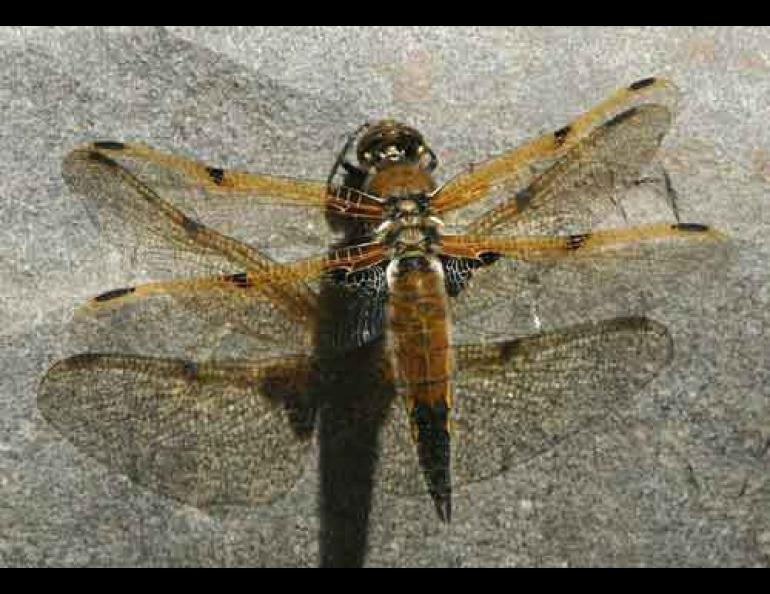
<point x="216" y="174"/>
<point x="561" y="135"/>
<point x="240" y="280"/>
<point x="577" y="241"/>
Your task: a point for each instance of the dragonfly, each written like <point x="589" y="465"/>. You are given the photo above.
<point x="422" y="301"/>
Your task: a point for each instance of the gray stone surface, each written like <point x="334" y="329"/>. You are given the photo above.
<point x="681" y="479"/>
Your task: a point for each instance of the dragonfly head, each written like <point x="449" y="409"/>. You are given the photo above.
<point x="388" y="142"/>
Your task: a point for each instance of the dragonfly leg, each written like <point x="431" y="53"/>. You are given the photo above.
<point x="342" y="161"/>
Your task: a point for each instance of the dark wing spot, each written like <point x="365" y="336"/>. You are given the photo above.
<point x="191" y="226"/>
<point x="509" y="350"/>
<point x="692" y="227"/>
<point x="577" y="241"/>
<point x="561" y="135"/>
<point x="523" y="198"/>
<point x="216" y="174"/>
<point x="114" y="294"/>
<point x="239" y="280"/>
<point x="640" y="84"/>
<point x="620" y="117"/>
<point x="190" y="370"/>
<point x="110" y="145"/>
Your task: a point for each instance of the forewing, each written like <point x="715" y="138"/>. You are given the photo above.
<point x="517" y="399"/>
<point x="208" y="434"/>
<point x="141" y="221"/>
<point x="587" y="186"/>
<point x="512" y="297"/>
<point x="502" y="178"/>
<point x="238" y="204"/>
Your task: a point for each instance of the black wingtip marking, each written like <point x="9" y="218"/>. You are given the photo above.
<point x="110" y="145"/>
<point x="114" y="294"/>
<point x="561" y="135"/>
<point x="216" y="174"/>
<point x="690" y="227"/>
<point x="640" y="84"/>
<point x="620" y="117"/>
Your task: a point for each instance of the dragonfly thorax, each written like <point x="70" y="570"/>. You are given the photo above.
<point x="410" y="228"/>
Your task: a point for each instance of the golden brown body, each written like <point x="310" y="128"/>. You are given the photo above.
<point x="401" y="179"/>
<point x="388" y="208"/>
<point x="417" y="320"/>
<point x="419" y="330"/>
<point x="417" y="312"/>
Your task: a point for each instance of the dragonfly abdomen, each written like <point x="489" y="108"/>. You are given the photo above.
<point x="418" y="326"/>
<point x="418" y="337"/>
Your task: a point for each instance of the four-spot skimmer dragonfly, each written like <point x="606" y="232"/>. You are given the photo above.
<point x="206" y="386"/>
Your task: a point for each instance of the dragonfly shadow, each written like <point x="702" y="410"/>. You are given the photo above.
<point x="354" y="400"/>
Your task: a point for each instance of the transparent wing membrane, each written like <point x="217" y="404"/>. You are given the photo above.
<point x="207" y="434"/>
<point x="504" y="176"/>
<point x="204" y="384"/>
<point x="516" y="399"/>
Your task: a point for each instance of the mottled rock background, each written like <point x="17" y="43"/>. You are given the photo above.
<point x="682" y="480"/>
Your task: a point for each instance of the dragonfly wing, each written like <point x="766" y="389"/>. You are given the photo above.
<point x="519" y="398"/>
<point x="141" y="221"/>
<point x="503" y="177"/>
<point x="208" y="434"/>
<point x="587" y="185"/>
<point x="658" y="265"/>
<point x="220" y="317"/>
<point x="238" y="204"/>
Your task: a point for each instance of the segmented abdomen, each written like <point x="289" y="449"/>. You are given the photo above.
<point x="418" y="326"/>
